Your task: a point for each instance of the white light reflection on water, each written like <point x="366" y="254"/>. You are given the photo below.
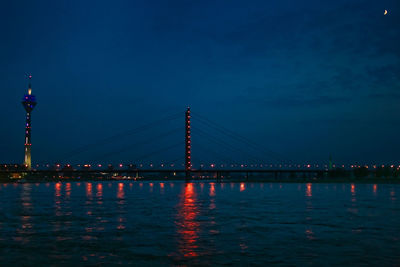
<point x="26" y="219"/>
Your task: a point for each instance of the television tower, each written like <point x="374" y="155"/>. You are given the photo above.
<point x="29" y="103"/>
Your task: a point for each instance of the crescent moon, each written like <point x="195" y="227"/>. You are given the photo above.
<point x="385" y="13"/>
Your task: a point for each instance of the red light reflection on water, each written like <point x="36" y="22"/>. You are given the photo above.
<point x="120" y="192"/>
<point x="310" y="234"/>
<point x="121" y="225"/>
<point x="212" y="202"/>
<point x="309" y="190"/>
<point x="121" y="206"/>
<point x="375" y="188"/>
<point x="88" y="189"/>
<point x="68" y="190"/>
<point x="392" y="195"/>
<point x="242" y="187"/>
<point x="353" y="193"/>
<point x="57" y="201"/>
<point x="57" y="188"/>
<point x="99" y="193"/>
<point x="212" y="189"/>
<point x="188" y="227"/>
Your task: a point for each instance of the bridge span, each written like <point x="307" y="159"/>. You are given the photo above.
<point x="167" y="174"/>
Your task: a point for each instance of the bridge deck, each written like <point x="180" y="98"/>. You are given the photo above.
<point x="166" y="171"/>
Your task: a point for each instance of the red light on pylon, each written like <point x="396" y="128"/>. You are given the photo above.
<point x="187" y="141"/>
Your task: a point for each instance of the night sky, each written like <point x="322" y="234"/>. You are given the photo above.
<point x="305" y="79"/>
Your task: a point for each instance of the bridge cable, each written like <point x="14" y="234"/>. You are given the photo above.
<point x="225" y="144"/>
<point x="159" y="151"/>
<point x="147" y="141"/>
<point x="120" y="135"/>
<point x="217" y="154"/>
<point x="238" y="137"/>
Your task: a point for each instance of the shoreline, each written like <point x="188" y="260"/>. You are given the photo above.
<point x="233" y="180"/>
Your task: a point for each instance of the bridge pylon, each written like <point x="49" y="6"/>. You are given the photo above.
<point x="188" y="145"/>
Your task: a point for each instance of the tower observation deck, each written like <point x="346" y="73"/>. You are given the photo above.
<point x="29" y="103"/>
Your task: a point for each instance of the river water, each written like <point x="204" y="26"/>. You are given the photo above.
<point x="199" y="223"/>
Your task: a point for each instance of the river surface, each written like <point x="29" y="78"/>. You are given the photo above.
<point x="199" y="223"/>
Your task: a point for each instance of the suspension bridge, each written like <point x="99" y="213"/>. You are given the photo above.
<point x="223" y="154"/>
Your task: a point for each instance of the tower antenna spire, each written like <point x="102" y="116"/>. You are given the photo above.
<point x="29" y="84"/>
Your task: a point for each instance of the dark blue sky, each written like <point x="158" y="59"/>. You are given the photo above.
<point x="303" y="78"/>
